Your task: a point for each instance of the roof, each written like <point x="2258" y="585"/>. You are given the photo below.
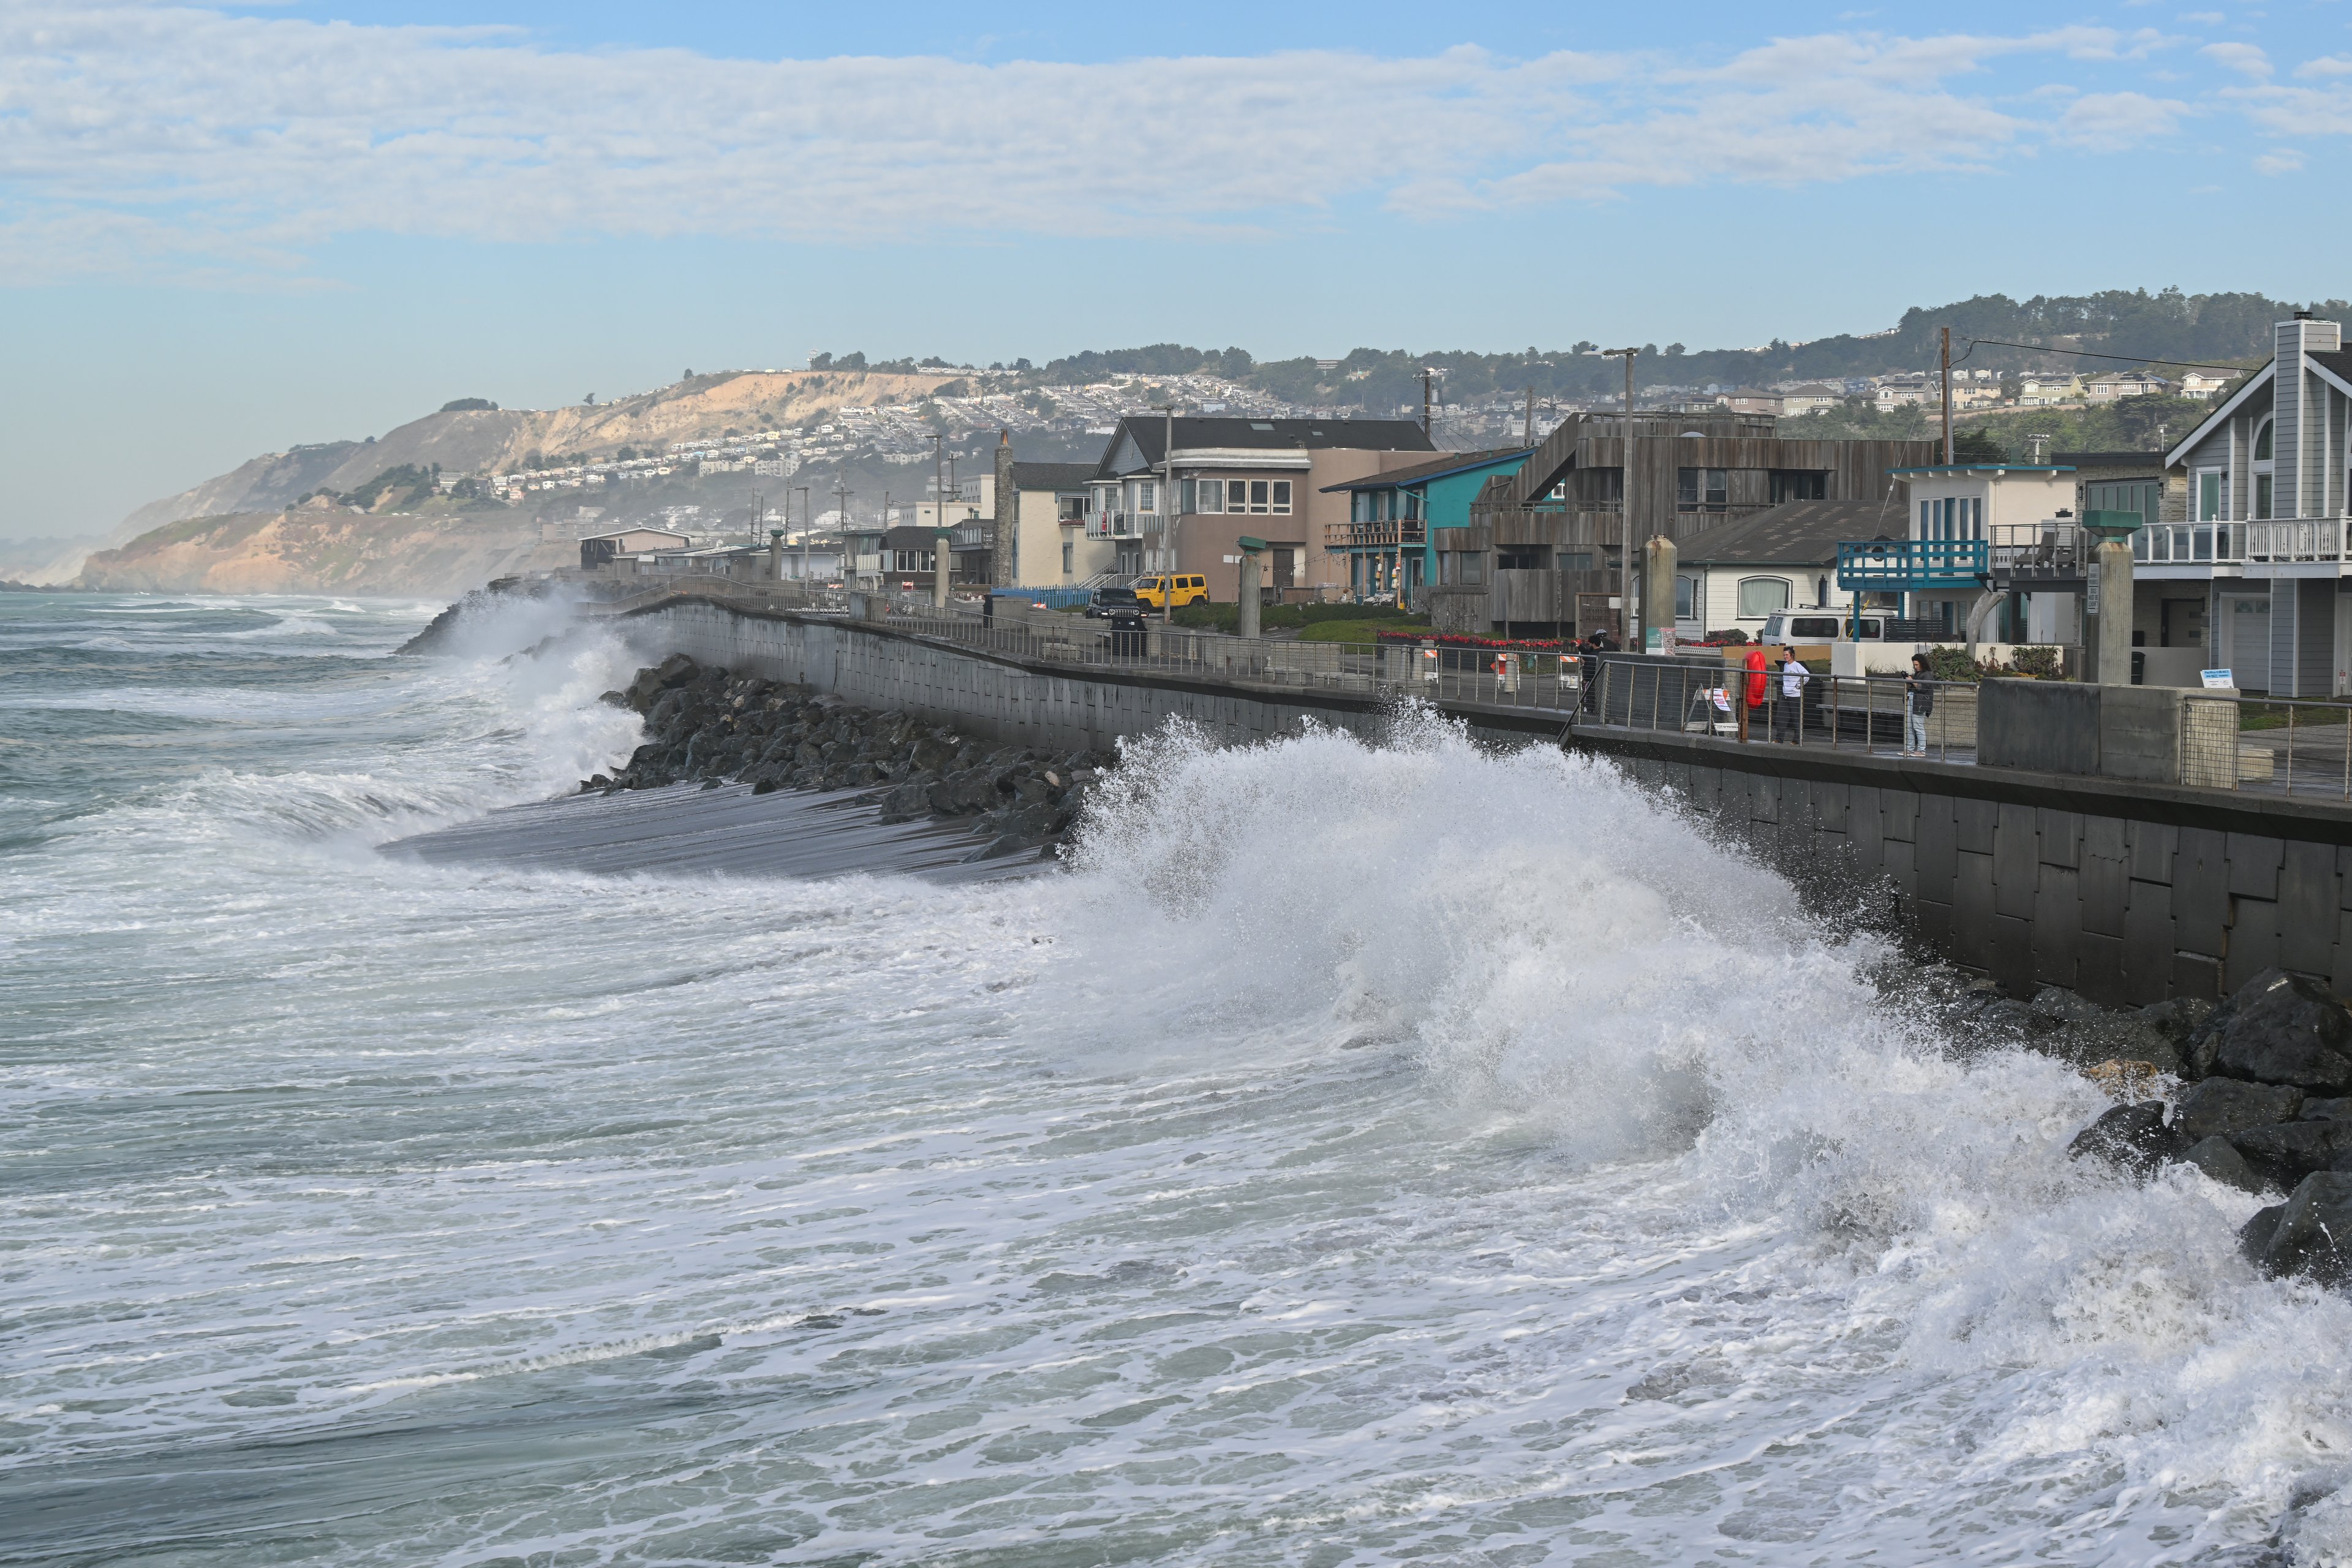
<point x="1794" y="533"/>
<point x="1149" y="434"/>
<point x="1051" y="476"/>
<point x="1451" y="463"/>
<point x="1988" y="468"/>
<point x="2109" y="460"/>
<point x="624" y="533"/>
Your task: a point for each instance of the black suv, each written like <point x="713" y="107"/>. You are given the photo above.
<point x="1105" y="603"/>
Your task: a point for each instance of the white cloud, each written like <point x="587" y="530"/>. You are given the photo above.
<point x="2279" y="161"/>
<point x="2326" y="65"/>
<point x="2244" y="58"/>
<point x="2111" y="121"/>
<point x="143" y="139"/>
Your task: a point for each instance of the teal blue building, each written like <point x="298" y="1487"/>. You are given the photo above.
<point x="1386" y="539"/>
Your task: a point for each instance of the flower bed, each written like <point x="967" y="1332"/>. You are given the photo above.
<point x="1463" y="639"/>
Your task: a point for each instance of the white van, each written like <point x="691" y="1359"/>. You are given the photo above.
<point x="1819" y="626"/>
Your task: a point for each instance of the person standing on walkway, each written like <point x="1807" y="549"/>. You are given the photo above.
<point x="1918" y="702"/>
<point x="1789" y="718"/>
<point x="1752" y="690"/>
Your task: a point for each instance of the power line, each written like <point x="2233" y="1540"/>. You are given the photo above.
<point x="2085" y="353"/>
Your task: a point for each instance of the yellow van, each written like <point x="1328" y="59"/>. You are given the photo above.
<point x="1154" y="592"/>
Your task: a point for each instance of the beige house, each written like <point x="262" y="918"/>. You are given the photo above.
<point x="1995" y="502"/>
<point x="1050" y="547"/>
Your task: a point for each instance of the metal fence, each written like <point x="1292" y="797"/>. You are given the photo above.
<point x="2228" y="741"/>
<point x="1872" y="714"/>
<point x="2265" y="746"/>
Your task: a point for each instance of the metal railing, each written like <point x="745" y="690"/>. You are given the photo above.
<point x="2266" y="746"/>
<point x="1874" y="714"/>
<point x="2228" y="741"/>
<point x="2268" y="541"/>
<point x="2037" y="549"/>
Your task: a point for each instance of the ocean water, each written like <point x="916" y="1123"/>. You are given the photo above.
<point x="1362" y="1155"/>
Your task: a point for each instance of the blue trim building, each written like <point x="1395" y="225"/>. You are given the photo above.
<point x="1386" y="541"/>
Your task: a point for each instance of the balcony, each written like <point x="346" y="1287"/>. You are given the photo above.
<point x="2272" y="541"/>
<point x="1387" y="533"/>
<point x="1911" y="565"/>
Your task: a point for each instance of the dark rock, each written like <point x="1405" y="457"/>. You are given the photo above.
<point x="2227" y="1105"/>
<point x="2326" y="1109"/>
<point x="2279" y="1028"/>
<point x="2219" y="1159"/>
<point x="2313" y="1233"/>
<point x="2254" y="1236"/>
<point x="2292" y="1150"/>
<point x="2132" y="1136"/>
<point x="2177" y="1019"/>
<point x="674" y="671"/>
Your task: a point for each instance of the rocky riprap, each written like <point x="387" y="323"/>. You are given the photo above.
<point x="2265" y="1105"/>
<point x="703" y="723"/>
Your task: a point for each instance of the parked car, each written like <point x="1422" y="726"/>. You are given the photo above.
<point x="1105" y="603"/>
<point x="1819" y="626"/>
<point x="1155" y="591"/>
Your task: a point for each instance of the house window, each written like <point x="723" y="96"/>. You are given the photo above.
<point x="1070" y="508"/>
<point x="1188" y="495"/>
<point x="1702" y="490"/>
<point x="1069" y="557"/>
<point x="1412" y="502"/>
<point x="1524" y="559"/>
<point x="1685" y="599"/>
<point x="1145" y="493"/>
<point x="1212" y="496"/>
<point x="1760" y="596"/>
<point x="1576" y="561"/>
<point x="1799" y="484"/>
<point x="2210" y="492"/>
<point x="2262" y="444"/>
<point x="1474" y="567"/>
<point x="1258" y="501"/>
<point x="2263" y="492"/>
<point x="1282" y="495"/>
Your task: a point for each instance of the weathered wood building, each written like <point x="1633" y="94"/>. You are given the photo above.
<point x="1541" y="554"/>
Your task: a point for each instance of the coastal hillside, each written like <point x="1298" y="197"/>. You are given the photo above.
<point x="483" y="439"/>
<point x="324" y="548"/>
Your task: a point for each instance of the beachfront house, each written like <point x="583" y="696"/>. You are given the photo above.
<point x="1384" y="544"/>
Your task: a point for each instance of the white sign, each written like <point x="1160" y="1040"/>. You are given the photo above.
<point x="2220" y="678"/>
<point x="1232" y="560"/>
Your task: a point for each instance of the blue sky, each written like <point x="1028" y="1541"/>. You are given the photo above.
<point x="227" y="229"/>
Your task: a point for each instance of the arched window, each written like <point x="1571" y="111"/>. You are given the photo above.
<point x="2262" y="442"/>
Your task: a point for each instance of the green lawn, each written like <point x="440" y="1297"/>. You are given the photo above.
<point x="1362" y="631"/>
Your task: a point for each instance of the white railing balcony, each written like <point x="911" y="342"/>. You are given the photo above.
<point x="2192" y="544"/>
<point x="2296" y="538"/>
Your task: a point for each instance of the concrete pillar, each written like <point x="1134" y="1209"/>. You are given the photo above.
<point x="1005" y="567"/>
<point x="943" y="562"/>
<point x="1249" y="595"/>
<point x="1658" y="561"/>
<point x="2113" y="563"/>
<point x="775" y="555"/>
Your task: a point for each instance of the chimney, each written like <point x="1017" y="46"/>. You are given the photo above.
<point x="1003" y="568"/>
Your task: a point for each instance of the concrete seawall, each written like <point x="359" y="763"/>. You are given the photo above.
<point x="2127" y="893"/>
<point x="1018" y="700"/>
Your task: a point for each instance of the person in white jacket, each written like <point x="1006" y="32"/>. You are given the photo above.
<point x="1789" y="713"/>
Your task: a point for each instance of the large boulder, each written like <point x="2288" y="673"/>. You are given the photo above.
<point x="2310" y="1234"/>
<point x="672" y="672"/>
<point x="2279" y="1028"/>
<point x="2132" y="1136"/>
<point x="2292" y="1150"/>
<point x="2219" y="1158"/>
<point x="2227" y="1105"/>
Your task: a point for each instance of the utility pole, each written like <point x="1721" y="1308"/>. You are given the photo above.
<point x="1168" y="513"/>
<point x="804" y="532"/>
<point x="1948" y="459"/>
<point x="841" y="494"/>
<point x="1625" y="502"/>
<point x="1529" y="439"/>
<point x="1425" y="399"/>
